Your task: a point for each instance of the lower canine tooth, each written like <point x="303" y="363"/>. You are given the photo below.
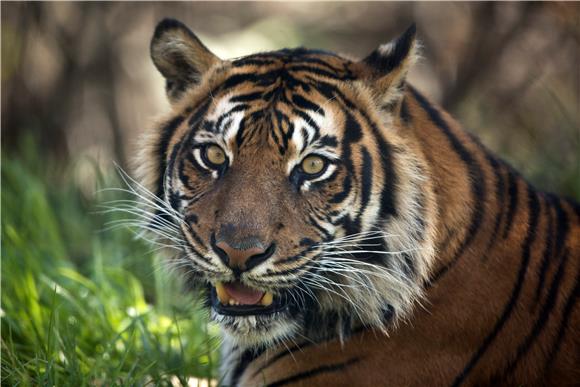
<point x="267" y="299"/>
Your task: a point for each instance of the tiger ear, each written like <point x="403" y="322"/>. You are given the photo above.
<point x="388" y="65"/>
<point x="179" y="56"/>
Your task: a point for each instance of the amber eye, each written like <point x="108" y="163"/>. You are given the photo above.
<point x="313" y="165"/>
<point x="215" y="155"/>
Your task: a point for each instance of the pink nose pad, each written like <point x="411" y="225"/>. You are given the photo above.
<point x="237" y="258"/>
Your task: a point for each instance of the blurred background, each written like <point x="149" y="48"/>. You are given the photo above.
<point x="83" y="304"/>
<point x="77" y="76"/>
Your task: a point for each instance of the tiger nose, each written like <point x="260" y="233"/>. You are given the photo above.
<point x="243" y="258"/>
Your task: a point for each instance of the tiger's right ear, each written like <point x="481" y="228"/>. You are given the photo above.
<point x="179" y="56"/>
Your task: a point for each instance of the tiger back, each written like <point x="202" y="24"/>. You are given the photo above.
<point x="344" y="230"/>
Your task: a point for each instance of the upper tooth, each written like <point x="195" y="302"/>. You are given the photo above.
<point x="267" y="299"/>
<point x="222" y="294"/>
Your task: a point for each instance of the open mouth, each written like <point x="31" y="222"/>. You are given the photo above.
<point x="237" y="299"/>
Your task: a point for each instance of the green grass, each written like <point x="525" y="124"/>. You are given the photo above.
<point x="83" y="306"/>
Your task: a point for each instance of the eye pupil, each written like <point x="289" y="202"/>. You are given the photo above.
<point x="313" y="165"/>
<point x="215" y="155"/>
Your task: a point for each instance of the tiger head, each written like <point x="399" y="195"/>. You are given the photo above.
<point x="287" y="184"/>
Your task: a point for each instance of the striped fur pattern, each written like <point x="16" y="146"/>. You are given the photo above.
<point x="415" y="255"/>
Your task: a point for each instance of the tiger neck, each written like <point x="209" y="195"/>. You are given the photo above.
<point x="459" y="167"/>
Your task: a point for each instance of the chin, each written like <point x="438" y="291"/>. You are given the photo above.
<point x="255" y="319"/>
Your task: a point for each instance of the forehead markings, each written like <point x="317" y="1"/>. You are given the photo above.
<point x="230" y="124"/>
<point x="222" y="123"/>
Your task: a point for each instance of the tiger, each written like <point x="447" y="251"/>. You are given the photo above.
<point x="344" y="230"/>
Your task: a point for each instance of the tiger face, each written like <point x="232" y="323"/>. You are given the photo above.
<point x="286" y="186"/>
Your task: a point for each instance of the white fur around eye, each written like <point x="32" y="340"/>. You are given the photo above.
<point x="199" y="159"/>
<point x="330" y="168"/>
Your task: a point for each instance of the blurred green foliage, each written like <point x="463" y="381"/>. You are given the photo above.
<point x="83" y="306"/>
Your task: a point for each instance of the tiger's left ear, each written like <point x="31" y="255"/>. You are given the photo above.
<point x="386" y="67"/>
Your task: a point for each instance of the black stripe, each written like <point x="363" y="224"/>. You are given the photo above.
<point x="320" y="72"/>
<point x="250" y="97"/>
<point x="330" y="91"/>
<point x="314" y="372"/>
<point x="499" y="196"/>
<point x="252" y="61"/>
<point x="166" y="134"/>
<point x="195" y="119"/>
<point x="562" y="225"/>
<point x="238" y="79"/>
<point x="282" y="354"/>
<point x="190" y="232"/>
<point x="314" y="222"/>
<point x="475" y="175"/>
<point x="568" y="309"/>
<point x="307" y="139"/>
<point x="328" y="140"/>
<point x="376" y="248"/>
<point x="191" y="218"/>
<point x="300" y="255"/>
<point x="174" y="200"/>
<point x="284" y="273"/>
<point x="533" y="205"/>
<point x="539" y="325"/>
<point x="288" y="135"/>
<point x="366" y="180"/>
<point x="247" y="357"/>
<point x="319" y="62"/>
<point x="352" y="133"/>
<point x="306" y="104"/>
<point x="308" y="120"/>
<point x="405" y="114"/>
<point x="513" y="203"/>
<point x="240" y="133"/>
<point x="259" y="79"/>
<point x="388" y="192"/>
<point x="281" y="118"/>
<point x="548" y="250"/>
<point x="224" y="119"/>
<point x="339" y="197"/>
<point x="169" y="167"/>
<point x="302" y="268"/>
<point x="352" y="130"/>
<point x="555" y="241"/>
<point x="189" y="248"/>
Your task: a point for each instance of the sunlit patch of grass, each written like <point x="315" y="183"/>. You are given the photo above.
<point x="82" y="306"/>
